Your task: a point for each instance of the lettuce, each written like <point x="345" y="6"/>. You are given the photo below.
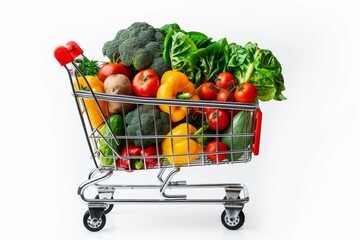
<point x="201" y="60"/>
<point x="259" y="67"/>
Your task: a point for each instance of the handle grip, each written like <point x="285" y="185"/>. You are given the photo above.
<point x="66" y="54"/>
<point x="74" y="49"/>
<point x="257" y="132"/>
<point x="63" y="55"/>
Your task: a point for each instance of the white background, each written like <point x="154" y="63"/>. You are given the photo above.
<point x="304" y="183"/>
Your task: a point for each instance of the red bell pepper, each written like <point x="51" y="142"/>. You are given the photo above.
<point x="133" y="164"/>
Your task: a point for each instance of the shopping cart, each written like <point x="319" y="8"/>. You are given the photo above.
<point x="236" y="195"/>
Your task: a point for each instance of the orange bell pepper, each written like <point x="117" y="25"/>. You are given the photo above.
<point x="176" y="85"/>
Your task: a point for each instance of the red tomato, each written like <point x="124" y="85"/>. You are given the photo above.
<point x="145" y="83"/>
<point x="246" y="92"/>
<point x="215" y="147"/>
<point x="113" y="68"/>
<point x="225" y="95"/>
<point x="208" y="91"/>
<point x="198" y="112"/>
<point x="225" y="80"/>
<point x="218" y="119"/>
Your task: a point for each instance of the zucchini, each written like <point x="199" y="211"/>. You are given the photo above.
<point x="241" y="124"/>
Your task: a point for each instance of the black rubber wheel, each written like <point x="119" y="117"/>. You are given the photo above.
<point x="110" y="206"/>
<point x="233" y="224"/>
<point x="92" y="225"/>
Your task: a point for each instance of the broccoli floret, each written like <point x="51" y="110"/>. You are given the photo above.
<point x="154" y="48"/>
<point x="159" y="66"/>
<point x="139" y="46"/>
<point x="141" y="59"/>
<point x="110" y="50"/>
<point x="151" y="118"/>
<point x="159" y="36"/>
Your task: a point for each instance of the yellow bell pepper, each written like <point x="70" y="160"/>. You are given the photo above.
<point x="176" y="85"/>
<point x="181" y="145"/>
<point x="97" y="86"/>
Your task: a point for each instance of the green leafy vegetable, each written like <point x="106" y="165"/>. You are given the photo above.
<point x="201" y="60"/>
<point x="200" y="39"/>
<point x="178" y="48"/>
<point x="194" y="54"/>
<point x="259" y="67"/>
<point x="87" y="66"/>
<point x="210" y="61"/>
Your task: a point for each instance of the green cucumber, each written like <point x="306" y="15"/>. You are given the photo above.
<point x="241" y="124"/>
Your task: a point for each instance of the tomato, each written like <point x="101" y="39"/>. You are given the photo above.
<point x="197" y="112"/>
<point x="208" y="91"/>
<point x="214" y="147"/>
<point x="246" y="92"/>
<point x="145" y="83"/>
<point x="218" y="119"/>
<point x="225" y="80"/>
<point x="113" y="68"/>
<point x="225" y="95"/>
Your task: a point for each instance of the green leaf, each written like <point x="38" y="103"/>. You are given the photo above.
<point x="87" y="66"/>
<point x="259" y="67"/>
<point x="211" y="60"/>
<point x="178" y="48"/>
<point x="200" y="39"/>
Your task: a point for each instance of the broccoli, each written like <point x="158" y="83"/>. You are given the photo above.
<point x="140" y="46"/>
<point x="150" y="117"/>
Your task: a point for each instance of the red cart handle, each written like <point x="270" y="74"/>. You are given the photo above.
<point x="74" y="49"/>
<point x="67" y="54"/>
<point x="62" y="55"/>
<point x="257" y="132"/>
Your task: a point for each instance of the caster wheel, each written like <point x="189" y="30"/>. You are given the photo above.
<point x="94" y="225"/>
<point x="232" y="224"/>
<point x="109" y="207"/>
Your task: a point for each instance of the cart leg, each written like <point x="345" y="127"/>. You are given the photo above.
<point x="94" y="219"/>
<point x="166" y="183"/>
<point x="233" y="216"/>
<point x="160" y="180"/>
<point x="232" y="192"/>
<point x="91" y="182"/>
<point x="105" y="192"/>
<point x="93" y="172"/>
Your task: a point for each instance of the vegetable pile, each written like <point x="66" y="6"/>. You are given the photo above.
<point x="171" y="63"/>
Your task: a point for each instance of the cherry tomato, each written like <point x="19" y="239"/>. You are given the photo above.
<point x="145" y="83"/>
<point x="218" y="119"/>
<point x="208" y="91"/>
<point x="113" y="68"/>
<point x="225" y="80"/>
<point x="225" y="95"/>
<point x="214" y="147"/>
<point x="246" y="92"/>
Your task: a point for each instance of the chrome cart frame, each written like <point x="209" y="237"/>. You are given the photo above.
<point x="236" y="195"/>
